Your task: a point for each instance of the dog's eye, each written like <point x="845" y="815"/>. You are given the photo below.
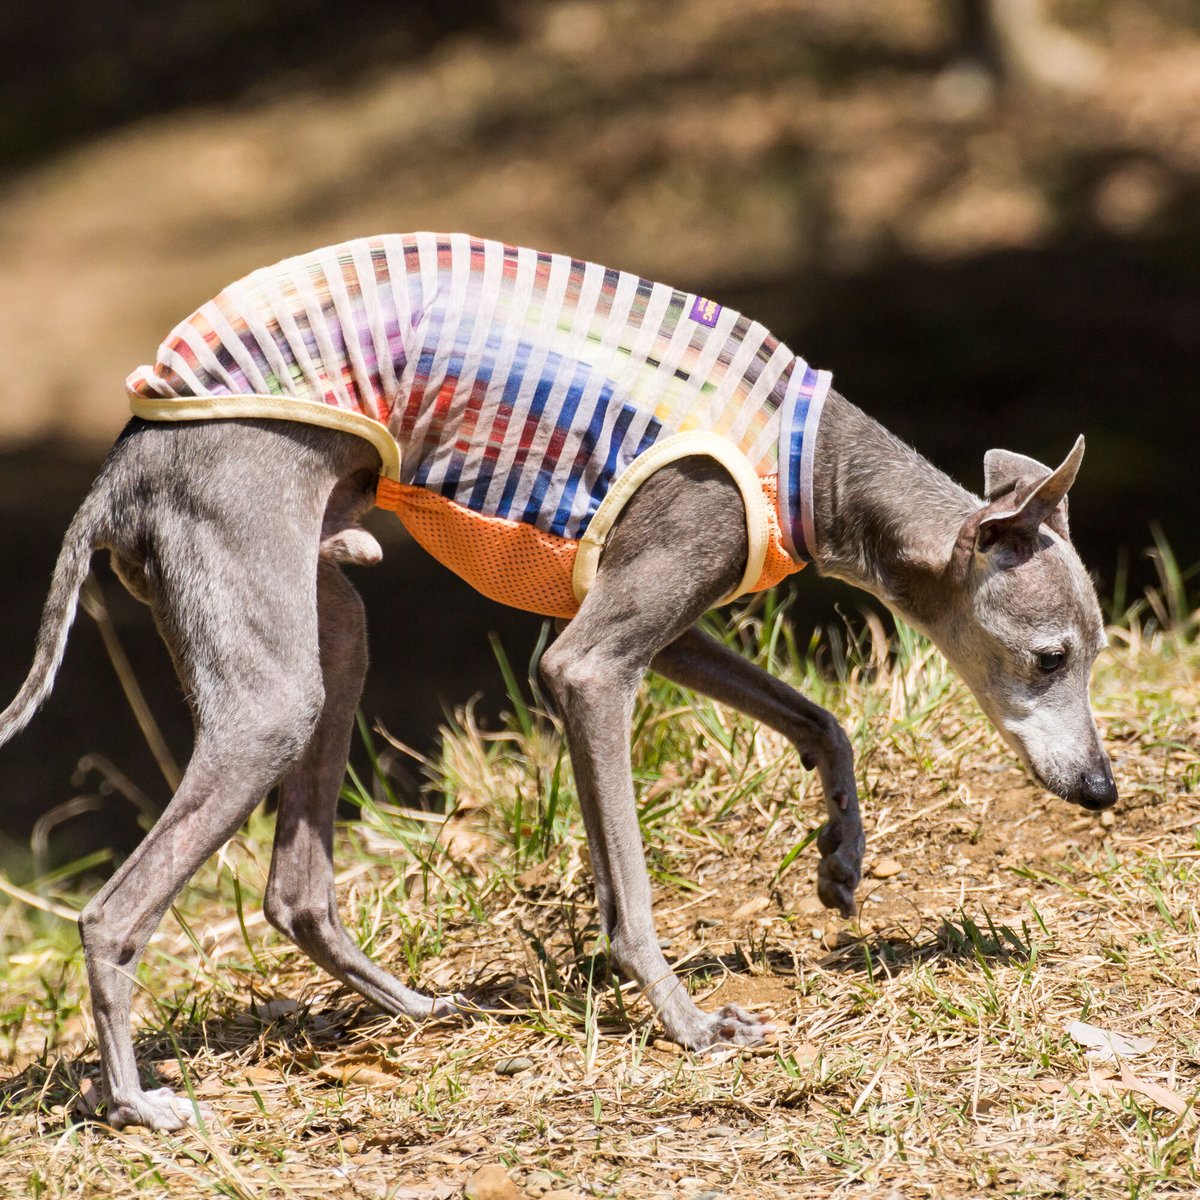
<point x="1051" y="660"/>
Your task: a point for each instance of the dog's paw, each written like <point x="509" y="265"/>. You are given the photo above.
<point x="840" y="870"/>
<point x="159" y="1109"/>
<point x="694" y="1029"/>
<point x="734" y="1026"/>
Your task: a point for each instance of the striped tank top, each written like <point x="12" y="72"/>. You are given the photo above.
<point x="517" y="398"/>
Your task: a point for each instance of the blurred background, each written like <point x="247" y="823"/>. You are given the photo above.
<point x="982" y="215"/>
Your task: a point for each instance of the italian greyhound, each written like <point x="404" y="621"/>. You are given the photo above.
<point x="268" y="637"/>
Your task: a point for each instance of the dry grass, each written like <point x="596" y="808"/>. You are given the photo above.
<point x="922" y="1049"/>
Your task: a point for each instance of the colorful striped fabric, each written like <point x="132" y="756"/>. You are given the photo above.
<point x="517" y="384"/>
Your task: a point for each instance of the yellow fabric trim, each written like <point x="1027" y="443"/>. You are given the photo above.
<point x="285" y="408"/>
<point x="679" y="445"/>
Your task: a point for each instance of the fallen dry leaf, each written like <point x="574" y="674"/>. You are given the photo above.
<point x="89" y="1098"/>
<point x="806" y="1055"/>
<point x="1050" y="1087"/>
<point x="539" y="876"/>
<point x="368" y="1070"/>
<point x="1105" y="1082"/>
<point x="263" y="1075"/>
<point x="1106" y="1045"/>
<point x="272" y="1010"/>
<point x="465" y="845"/>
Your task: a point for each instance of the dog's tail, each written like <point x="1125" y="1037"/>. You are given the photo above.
<point x="70" y="571"/>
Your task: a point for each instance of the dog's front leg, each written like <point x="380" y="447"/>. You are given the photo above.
<point x="700" y="662"/>
<point x="680" y="547"/>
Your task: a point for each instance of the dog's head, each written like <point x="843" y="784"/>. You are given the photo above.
<point x="1019" y="620"/>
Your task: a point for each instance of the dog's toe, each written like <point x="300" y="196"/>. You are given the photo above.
<point x="450" y="1006"/>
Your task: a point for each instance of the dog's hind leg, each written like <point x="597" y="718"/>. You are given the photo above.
<point x="680" y="546"/>
<point x="700" y="662"/>
<point x="217" y="794"/>
<point x="300" y="900"/>
<point x="244" y="639"/>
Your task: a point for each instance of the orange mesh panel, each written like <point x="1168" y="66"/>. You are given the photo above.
<point x="779" y="564"/>
<point x="517" y="564"/>
<point x="508" y="561"/>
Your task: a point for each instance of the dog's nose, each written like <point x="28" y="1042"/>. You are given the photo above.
<point x="1096" y="788"/>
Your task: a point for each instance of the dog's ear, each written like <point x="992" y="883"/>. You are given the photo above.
<point x="1004" y="471"/>
<point x="1022" y="494"/>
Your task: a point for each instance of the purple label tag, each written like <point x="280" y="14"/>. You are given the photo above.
<point x="705" y="311"/>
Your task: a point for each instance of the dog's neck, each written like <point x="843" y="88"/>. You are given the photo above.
<point x="885" y="519"/>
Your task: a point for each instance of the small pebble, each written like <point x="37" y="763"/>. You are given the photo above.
<point x="514" y="1066"/>
<point x="885" y="868"/>
<point x="720" y="1131"/>
<point x="491" y="1183"/>
<point x="707" y="922"/>
<point x="537" y="1183"/>
<point x="1108" y="818"/>
<point x="755" y="904"/>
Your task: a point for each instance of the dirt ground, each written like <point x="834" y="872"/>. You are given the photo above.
<point x="924" y="1048"/>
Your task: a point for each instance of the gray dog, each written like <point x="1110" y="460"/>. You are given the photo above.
<point x="532" y="418"/>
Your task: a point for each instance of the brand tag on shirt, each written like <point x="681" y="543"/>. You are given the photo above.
<point x="705" y="311"/>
